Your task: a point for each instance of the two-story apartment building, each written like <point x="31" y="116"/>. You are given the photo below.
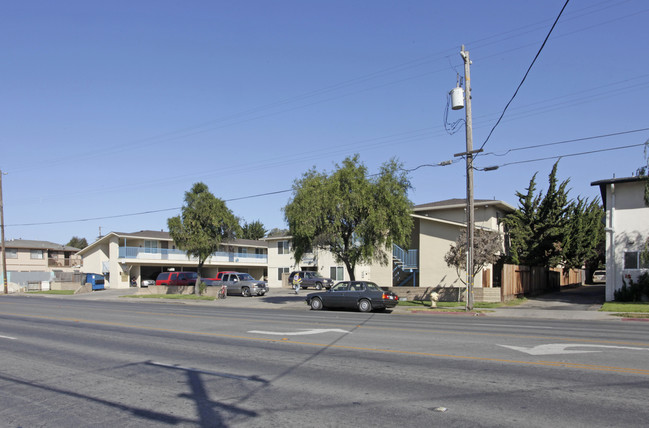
<point x="627" y="230"/>
<point x="30" y="261"/>
<point x="281" y="262"/>
<point x="436" y="227"/>
<point x="125" y="257"/>
<point x="131" y="257"/>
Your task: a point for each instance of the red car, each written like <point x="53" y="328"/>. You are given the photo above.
<point x="219" y="276"/>
<point x="176" y="278"/>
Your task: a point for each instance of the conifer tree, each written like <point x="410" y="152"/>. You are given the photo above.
<point x="519" y="225"/>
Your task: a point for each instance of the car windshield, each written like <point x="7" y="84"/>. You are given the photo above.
<point x="245" y="277"/>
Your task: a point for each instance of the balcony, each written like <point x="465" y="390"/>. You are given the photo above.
<point x="152" y="254"/>
<point x="56" y="262"/>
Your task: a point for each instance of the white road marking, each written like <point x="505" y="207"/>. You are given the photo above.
<point x="7" y="337"/>
<point x="560" y="348"/>
<point x="299" y="333"/>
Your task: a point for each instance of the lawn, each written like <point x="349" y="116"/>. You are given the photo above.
<point x="628" y="310"/>
<point x="63" y="292"/>
<point x="458" y="306"/>
<point x="169" y="296"/>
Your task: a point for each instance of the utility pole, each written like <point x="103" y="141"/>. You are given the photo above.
<point x="469" y="179"/>
<point x="4" y="249"/>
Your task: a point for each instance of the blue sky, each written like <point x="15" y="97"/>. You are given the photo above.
<point x="116" y="108"/>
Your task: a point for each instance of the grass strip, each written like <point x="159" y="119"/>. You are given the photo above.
<point x="169" y="296"/>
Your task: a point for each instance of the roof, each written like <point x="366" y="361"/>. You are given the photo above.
<point x="161" y="235"/>
<point x="38" y="245"/>
<point x="460" y="203"/>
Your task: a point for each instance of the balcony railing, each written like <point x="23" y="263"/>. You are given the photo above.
<point x="54" y="262"/>
<point x="179" y="255"/>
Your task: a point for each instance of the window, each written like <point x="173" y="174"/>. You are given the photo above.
<point x="280" y="271"/>
<point x="37" y="254"/>
<point x="635" y="260"/>
<point x="242" y="251"/>
<point x="282" y="247"/>
<point x="11" y="253"/>
<point x="150" y="246"/>
<point x="259" y="251"/>
<point x="337" y="273"/>
<point x="630" y="260"/>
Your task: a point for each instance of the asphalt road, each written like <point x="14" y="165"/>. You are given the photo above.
<point x="71" y="362"/>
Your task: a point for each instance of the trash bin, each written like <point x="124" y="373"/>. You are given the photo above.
<point x="95" y="280"/>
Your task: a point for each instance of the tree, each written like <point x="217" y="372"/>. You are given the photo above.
<point x="643" y="171"/>
<point x="277" y="232"/>
<point x="487" y="249"/>
<point x="548" y="230"/>
<point x="585" y="234"/>
<point x="254" y="230"/>
<point x="205" y="223"/>
<point x="349" y="213"/>
<point x="551" y="226"/>
<point x="519" y="224"/>
<point x="77" y="242"/>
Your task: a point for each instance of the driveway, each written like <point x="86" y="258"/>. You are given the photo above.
<point x="581" y="302"/>
<point x="584" y="298"/>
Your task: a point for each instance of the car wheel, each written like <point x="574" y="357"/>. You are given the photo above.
<point x="245" y="292"/>
<point x="364" y="305"/>
<point x="318" y="286"/>
<point x="316" y="304"/>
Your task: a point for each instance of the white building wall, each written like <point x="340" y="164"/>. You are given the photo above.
<point x="627" y="221"/>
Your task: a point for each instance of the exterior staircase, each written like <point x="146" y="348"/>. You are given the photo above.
<point x="405" y="267"/>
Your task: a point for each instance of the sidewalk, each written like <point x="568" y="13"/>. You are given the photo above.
<point x="581" y="303"/>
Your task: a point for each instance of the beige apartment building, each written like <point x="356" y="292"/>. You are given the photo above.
<point x="32" y="263"/>
<point x="128" y="258"/>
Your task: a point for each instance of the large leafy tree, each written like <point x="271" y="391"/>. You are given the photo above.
<point x="77" y="242"/>
<point x="204" y="223"/>
<point x="487" y="249"/>
<point x="254" y="230"/>
<point x="350" y="213"/>
<point x="276" y="231"/>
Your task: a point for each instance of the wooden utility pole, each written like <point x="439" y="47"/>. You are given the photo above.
<point x="469" y="179"/>
<point x="4" y="250"/>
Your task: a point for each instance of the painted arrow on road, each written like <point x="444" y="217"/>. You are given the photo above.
<point x="298" y="333"/>
<point x="560" y="348"/>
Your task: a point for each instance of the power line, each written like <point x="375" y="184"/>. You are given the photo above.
<point x="492" y="168"/>
<point x="525" y="76"/>
<point x="444" y="163"/>
<point x="141" y="212"/>
<point x="566" y="141"/>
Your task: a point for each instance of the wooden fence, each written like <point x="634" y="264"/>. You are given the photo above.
<point x="519" y="281"/>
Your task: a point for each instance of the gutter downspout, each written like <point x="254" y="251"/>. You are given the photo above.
<point x="611" y="265"/>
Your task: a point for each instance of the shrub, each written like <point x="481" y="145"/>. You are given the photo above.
<point x="634" y="291"/>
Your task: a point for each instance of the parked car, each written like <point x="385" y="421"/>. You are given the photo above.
<point x="176" y="278"/>
<point x="239" y="283"/>
<point x="147" y="282"/>
<point x="599" y="276"/>
<point x="364" y="296"/>
<point x="311" y="279"/>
